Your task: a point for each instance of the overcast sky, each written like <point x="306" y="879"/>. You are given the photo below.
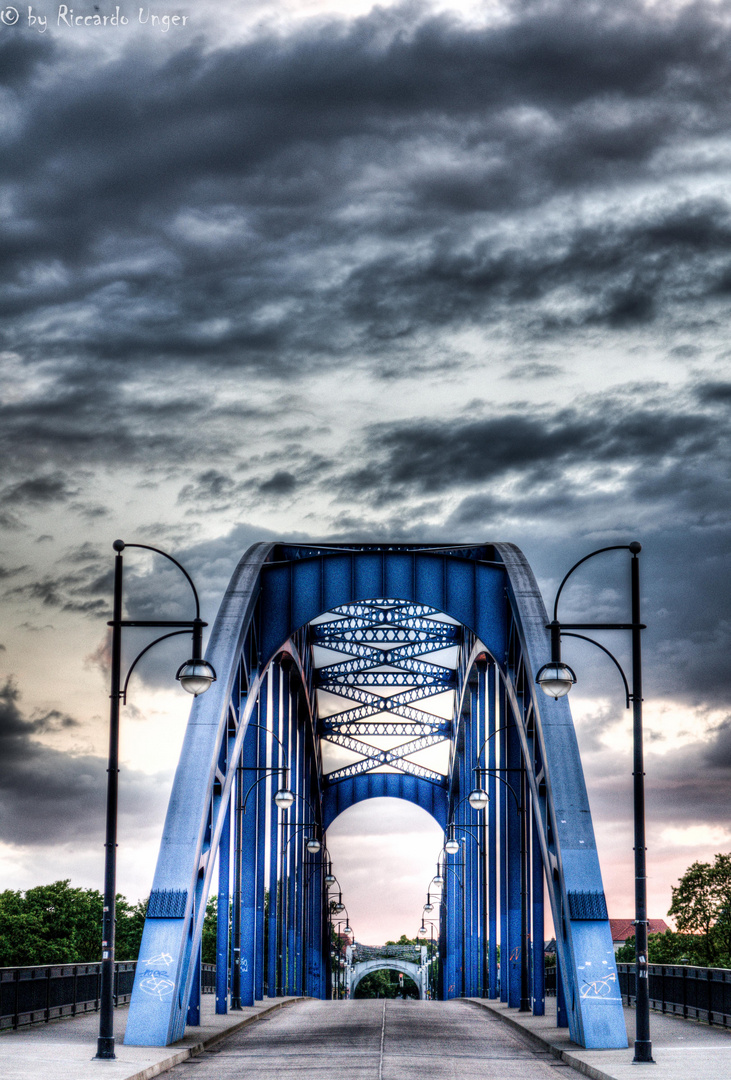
<point x="339" y="272"/>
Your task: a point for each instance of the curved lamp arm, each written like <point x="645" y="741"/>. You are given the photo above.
<point x="583" y="637"/>
<point x="259" y="781"/>
<point x="149" y="547"/>
<point x="173" y="633"/>
<point x="453" y="871"/>
<point x="466" y="829"/>
<point x="495" y="732"/>
<point x="599" y="551"/>
<point x="302" y="828"/>
<point x="263" y="727"/>
<point x="493" y="772"/>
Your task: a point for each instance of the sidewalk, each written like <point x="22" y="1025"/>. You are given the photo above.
<point x="65" y="1049"/>
<point x="682" y="1049"/>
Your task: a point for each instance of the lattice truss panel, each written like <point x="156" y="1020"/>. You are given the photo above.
<point x="361" y="953"/>
<point x="386" y="641"/>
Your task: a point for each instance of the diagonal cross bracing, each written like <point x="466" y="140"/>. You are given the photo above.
<point x="387" y="757"/>
<point x="379" y="655"/>
<point x="347" y="629"/>
<point x="422" y="675"/>
<point x="386" y="640"/>
<point x="360" y="767"/>
<point x="443" y="729"/>
<point x="373" y="704"/>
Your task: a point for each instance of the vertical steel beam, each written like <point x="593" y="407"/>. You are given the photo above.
<point x="294" y="818"/>
<point x="236" y="912"/>
<point x="481" y="830"/>
<point x="562" y="1015"/>
<point x="514" y="867"/>
<point x="505" y="808"/>
<point x="273" y="985"/>
<point x="492" y="834"/>
<point x="539" y="975"/>
<point x="284" y="703"/>
<point x="222" y="921"/>
<point x="299" y="954"/>
<point x="248" y="870"/>
<point x="262" y="807"/>
<point x="193" y="1018"/>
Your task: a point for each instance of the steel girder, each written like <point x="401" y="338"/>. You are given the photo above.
<point x="386" y="607"/>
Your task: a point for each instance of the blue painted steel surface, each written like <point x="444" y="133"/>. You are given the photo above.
<point x="248" y="873"/>
<point x="262" y="805"/>
<point x="222" y="927"/>
<point x="492" y="833"/>
<point x="538" y="932"/>
<point x="394" y="626"/>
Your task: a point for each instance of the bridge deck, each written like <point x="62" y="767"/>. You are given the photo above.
<point x="419" y="1038"/>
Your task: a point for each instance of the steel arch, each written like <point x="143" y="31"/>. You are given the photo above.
<point x="367" y="967"/>
<point x="266" y="702"/>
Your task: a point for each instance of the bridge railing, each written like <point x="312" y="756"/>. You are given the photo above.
<point x="34" y="995"/>
<point x="694" y="992"/>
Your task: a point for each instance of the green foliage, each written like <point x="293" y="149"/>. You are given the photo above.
<point x="130" y="924"/>
<point x="701" y="907"/>
<point x="58" y="924"/>
<point x="667" y="948"/>
<point x="210" y="929"/>
<point x="385" y="984"/>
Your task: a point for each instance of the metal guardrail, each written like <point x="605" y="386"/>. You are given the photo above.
<point x="681" y="990"/>
<point x="34" y="995"/>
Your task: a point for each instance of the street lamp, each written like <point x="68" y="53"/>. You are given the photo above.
<point x="478" y="803"/>
<point x="195" y="676"/>
<point x="452" y="844"/>
<point x="478" y="798"/>
<point x="284" y="797"/>
<point x="553" y="680"/>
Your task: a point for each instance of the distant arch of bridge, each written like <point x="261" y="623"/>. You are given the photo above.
<point x="367" y="967"/>
<point x="384" y="651"/>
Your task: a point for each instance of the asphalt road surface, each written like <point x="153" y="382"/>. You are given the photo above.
<point x="374" y="1040"/>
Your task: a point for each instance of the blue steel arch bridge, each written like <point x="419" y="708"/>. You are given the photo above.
<point x="379" y="653"/>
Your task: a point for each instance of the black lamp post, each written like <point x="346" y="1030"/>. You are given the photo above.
<point x="556" y="679"/>
<point x="195" y="676"/>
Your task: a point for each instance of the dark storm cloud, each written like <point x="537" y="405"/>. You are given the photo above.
<point x="48" y="796"/>
<point x="428" y="456"/>
<point x="38" y="491"/>
<point x="297" y="198"/>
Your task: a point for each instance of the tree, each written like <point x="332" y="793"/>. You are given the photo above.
<point x="50" y="924"/>
<point x="667" y="948"/>
<point x="385" y="984"/>
<point x="130" y="924"/>
<point x="702" y="905"/>
<point x="210" y="930"/>
<point x="60" y="924"/>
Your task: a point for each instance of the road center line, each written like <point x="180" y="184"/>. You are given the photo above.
<point x="383" y="1035"/>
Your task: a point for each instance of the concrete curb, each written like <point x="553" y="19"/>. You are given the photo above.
<point x="196" y="1048"/>
<point x="541" y="1043"/>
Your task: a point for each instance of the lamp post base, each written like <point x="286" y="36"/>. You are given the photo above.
<point x="105" y="1048"/>
<point x="643" y="1053"/>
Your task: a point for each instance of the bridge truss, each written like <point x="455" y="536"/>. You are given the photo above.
<point x="378" y="654"/>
